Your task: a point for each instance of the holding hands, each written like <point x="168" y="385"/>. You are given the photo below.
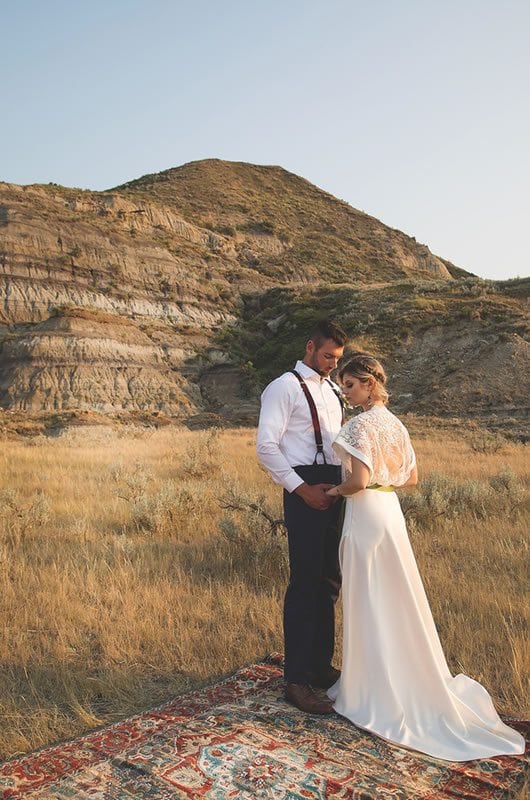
<point x="317" y="496"/>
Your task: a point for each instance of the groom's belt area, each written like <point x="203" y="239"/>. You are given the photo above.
<point x="319" y="473"/>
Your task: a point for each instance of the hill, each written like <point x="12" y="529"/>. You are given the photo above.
<point x="181" y="293"/>
<point x="285" y="228"/>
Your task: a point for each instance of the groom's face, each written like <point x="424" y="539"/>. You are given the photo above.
<point x="323" y="358"/>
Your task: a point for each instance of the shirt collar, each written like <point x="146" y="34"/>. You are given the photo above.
<point x="308" y="373"/>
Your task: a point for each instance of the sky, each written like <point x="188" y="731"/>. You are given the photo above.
<point x="414" y="111"/>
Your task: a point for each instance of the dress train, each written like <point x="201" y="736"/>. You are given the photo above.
<point x="395" y="680"/>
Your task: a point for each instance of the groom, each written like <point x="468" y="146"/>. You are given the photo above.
<point x="301" y="414"/>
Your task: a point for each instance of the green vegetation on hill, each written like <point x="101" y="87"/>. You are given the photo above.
<point x="273" y="326"/>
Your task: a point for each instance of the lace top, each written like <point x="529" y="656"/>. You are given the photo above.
<point x="381" y="441"/>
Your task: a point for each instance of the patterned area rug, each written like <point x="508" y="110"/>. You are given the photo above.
<point x="239" y="739"/>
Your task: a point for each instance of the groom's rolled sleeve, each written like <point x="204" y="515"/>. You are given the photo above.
<point x="276" y="408"/>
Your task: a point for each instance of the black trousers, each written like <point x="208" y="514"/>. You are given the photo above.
<point x="314" y="583"/>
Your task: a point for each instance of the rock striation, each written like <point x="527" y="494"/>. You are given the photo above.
<point x="128" y="302"/>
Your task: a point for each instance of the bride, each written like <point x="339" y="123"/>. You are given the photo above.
<point x="395" y="681"/>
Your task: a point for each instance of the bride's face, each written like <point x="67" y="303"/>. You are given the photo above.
<point x="355" y="391"/>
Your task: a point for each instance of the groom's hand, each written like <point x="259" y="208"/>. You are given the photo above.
<point x="315" y="496"/>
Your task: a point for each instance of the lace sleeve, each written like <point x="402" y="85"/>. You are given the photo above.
<point x="354" y="440"/>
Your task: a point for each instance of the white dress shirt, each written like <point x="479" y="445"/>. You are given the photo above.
<point x="286" y="436"/>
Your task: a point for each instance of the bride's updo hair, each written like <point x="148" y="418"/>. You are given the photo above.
<point x="365" y="366"/>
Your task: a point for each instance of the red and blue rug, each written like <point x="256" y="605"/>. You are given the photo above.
<point x="239" y="739"/>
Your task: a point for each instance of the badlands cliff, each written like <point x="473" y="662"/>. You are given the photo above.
<point x="181" y="293"/>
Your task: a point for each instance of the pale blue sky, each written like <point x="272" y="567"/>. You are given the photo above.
<point x="415" y="111"/>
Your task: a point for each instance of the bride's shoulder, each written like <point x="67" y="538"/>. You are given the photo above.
<point x="397" y="421"/>
<point x="384" y="419"/>
<point x="354" y="424"/>
<point x="354" y="421"/>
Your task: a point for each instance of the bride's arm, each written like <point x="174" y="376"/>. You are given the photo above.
<point x="357" y="481"/>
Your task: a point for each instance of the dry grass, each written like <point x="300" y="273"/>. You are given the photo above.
<point x="123" y="581"/>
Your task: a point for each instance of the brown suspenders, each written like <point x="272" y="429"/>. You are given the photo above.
<point x="314" y="416"/>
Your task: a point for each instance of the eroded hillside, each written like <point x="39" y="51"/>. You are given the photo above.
<point x="182" y="293"/>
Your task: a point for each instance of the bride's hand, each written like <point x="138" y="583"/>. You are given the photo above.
<point x="333" y="492"/>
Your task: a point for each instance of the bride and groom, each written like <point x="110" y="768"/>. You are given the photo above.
<point x="345" y="525"/>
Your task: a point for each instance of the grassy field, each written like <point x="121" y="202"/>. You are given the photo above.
<point x="124" y="580"/>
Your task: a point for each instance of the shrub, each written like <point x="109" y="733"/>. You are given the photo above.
<point x="170" y="510"/>
<point x="487" y="442"/>
<point x="166" y="509"/>
<point x="202" y="458"/>
<point x="226" y="230"/>
<point x="441" y="497"/>
<point x="263" y="226"/>
<point x="255" y="540"/>
<point x="510" y="489"/>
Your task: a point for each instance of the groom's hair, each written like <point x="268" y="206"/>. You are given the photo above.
<point x="327" y="329"/>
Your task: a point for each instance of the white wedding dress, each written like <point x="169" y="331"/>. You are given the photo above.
<point x="395" y="681"/>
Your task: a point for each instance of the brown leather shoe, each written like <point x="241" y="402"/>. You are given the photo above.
<point x="325" y="679"/>
<point x="303" y="697"/>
